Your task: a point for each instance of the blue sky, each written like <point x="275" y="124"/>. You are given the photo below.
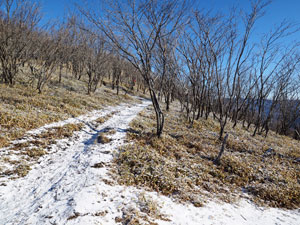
<point x="275" y="13"/>
<point x="55" y="9"/>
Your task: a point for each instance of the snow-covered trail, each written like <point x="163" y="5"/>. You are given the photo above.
<point x="46" y="194"/>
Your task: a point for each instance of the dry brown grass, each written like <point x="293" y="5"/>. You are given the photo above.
<point x="146" y="212"/>
<point x="23" y="109"/>
<point x="103" y="119"/>
<point x="3" y="142"/>
<point x="21" y="170"/>
<point x="181" y="162"/>
<point x="102" y="139"/>
<point x="61" y="132"/>
<point x="35" y="152"/>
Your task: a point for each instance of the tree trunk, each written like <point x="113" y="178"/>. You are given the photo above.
<point x="159" y="114"/>
<point x="168" y="102"/>
<point x="217" y="160"/>
<point x="60" y="74"/>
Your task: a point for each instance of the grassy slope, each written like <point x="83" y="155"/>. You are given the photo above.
<point x="180" y="164"/>
<point x="23" y="109"/>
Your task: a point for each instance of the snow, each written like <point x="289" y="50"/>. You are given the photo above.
<point x="64" y="187"/>
<point x="216" y="213"/>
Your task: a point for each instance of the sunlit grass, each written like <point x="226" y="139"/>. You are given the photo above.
<point x="180" y="164"/>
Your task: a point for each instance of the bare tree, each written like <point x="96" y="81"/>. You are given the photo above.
<point x="96" y="59"/>
<point x="45" y="59"/>
<point x="230" y="51"/>
<point x="134" y="27"/>
<point x="289" y="113"/>
<point x="272" y="67"/>
<point x="18" y="19"/>
<point x="117" y="71"/>
<point x="166" y="65"/>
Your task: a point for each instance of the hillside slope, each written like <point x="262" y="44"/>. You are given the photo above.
<point x="74" y="183"/>
<point x="181" y="163"/>
<point x="70" y="158"/>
